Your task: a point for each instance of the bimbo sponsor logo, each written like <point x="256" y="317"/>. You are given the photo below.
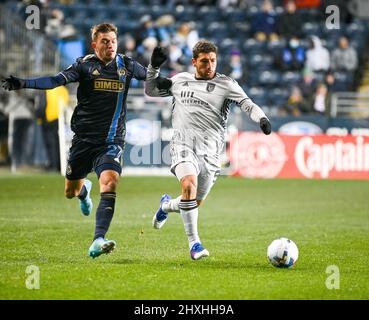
<point x="322" y="159"/>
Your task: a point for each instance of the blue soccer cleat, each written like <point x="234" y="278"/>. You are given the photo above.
<point x="100" y="246"/>
<point x="86" y="204"/>
<point x="161" y="216"/>
<point x="198" y="251"/>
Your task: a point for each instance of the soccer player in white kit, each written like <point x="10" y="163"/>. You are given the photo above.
<point x="201" y="103"/>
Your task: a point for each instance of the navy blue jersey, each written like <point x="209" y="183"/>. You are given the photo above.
<point x="100" y="114"/>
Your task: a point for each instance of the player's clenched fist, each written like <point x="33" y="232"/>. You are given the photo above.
<point x="12" y="83"/>
<point x="158" y="57"/>
<point x="265" y="126"/>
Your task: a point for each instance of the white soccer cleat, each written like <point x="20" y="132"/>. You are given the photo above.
<point x="161" y="216"/>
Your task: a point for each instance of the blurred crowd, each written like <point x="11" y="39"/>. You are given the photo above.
<point x="179" y="40"/>
<point x="317" y="65"/>
<point x="275" y="28"/>
<point x="308" y="56"/>
<point x="52" y="20"/>
<point x="265" y="45"/>
<point x="282" y="30"/>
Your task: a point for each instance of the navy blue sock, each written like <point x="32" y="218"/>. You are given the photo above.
<point x="83" y="193"/>
<point x="104" y="214"/>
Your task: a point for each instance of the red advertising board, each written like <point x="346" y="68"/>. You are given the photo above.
<point x="256" y="155"/>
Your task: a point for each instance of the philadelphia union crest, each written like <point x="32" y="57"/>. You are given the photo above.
<point x="121" y="72"/>
<point x="210" y="87"/>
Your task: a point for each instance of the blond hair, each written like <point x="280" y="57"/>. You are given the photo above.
<point x="103" y="28"/>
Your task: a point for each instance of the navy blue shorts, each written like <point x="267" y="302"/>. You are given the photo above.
<point x="84" y="158"/>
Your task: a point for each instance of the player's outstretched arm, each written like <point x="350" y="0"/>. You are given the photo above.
<point x="14" y="83"/>
<point x="257" y="115"/>
<point x="157" y="86"/>
<point x="236" y="93"/>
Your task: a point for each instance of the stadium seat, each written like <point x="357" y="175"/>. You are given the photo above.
<point x="76" y="16"/>
<point x="114" y="3"/>
<point x="183" y="13"/>
<point x="311" y="14"/>
<point x="278" y="96"/>
<point x="276" y="46"/>
<point x="253" y="79"/>
<point x="331" y="44"/>
<point x="344" y="81"/>
<point x="319" y="76"/>
<point x="260" y="62"/>
<point x="258" y="95"/>
<point x="252" y="11"/>
<point x="227" y="45"/>
<point x="332" y="33"/>
<point x="240" y="30"/>
<point x="354" y="29"/>
<point x="311" y="28"/>
<point x="102" y="14"/>
<point x="291" y="77"/>
<point x="218" y="30"/>
<point x="127" y="26"/>
<point x="269" y="78"/>
<point x="253" y="46"/>
<point x="357" y="44"/>
<point x="233" y="15"/>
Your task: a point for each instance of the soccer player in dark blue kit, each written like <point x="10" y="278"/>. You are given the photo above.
<point x="98" y="123"/>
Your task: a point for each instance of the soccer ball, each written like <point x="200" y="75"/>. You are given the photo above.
<point x="282" y="253"/>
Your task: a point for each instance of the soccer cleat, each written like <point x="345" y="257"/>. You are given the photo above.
<point x="161" y="216"/>
<point x="100" y="246"/>
<point x="198" y="251"/>
<point x="86" y="204"/>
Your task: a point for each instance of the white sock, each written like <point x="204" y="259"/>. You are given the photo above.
<point x="190" y="213"/>
<point x="172" y="205"/>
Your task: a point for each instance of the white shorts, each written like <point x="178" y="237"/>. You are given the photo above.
<point x="206" y="168"/>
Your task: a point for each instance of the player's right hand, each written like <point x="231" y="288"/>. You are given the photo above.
<point x="158" y="57"/>
<point x="12" y="83"/>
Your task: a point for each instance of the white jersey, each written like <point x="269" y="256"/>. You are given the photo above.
<point x="201" y="107"/>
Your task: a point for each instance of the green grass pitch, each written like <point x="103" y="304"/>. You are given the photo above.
<point x="328" y="220"/>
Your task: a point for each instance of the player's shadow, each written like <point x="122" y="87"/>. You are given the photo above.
<point x="227" y="265"/>
<point x="125" y="261"/>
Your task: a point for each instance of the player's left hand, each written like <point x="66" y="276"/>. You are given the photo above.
<point x="265" y="126"/>
<point x="12" y="83"/>
<point x="158" y="57"/>
<point x="163" y="83"/>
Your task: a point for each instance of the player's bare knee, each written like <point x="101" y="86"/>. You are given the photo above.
<point x="188" y="186"/>
<point x="108" y="181"/>
<point x="109" y="185"/>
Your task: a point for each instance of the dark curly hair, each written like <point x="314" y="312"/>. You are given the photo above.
<point x="203" y="46"/>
